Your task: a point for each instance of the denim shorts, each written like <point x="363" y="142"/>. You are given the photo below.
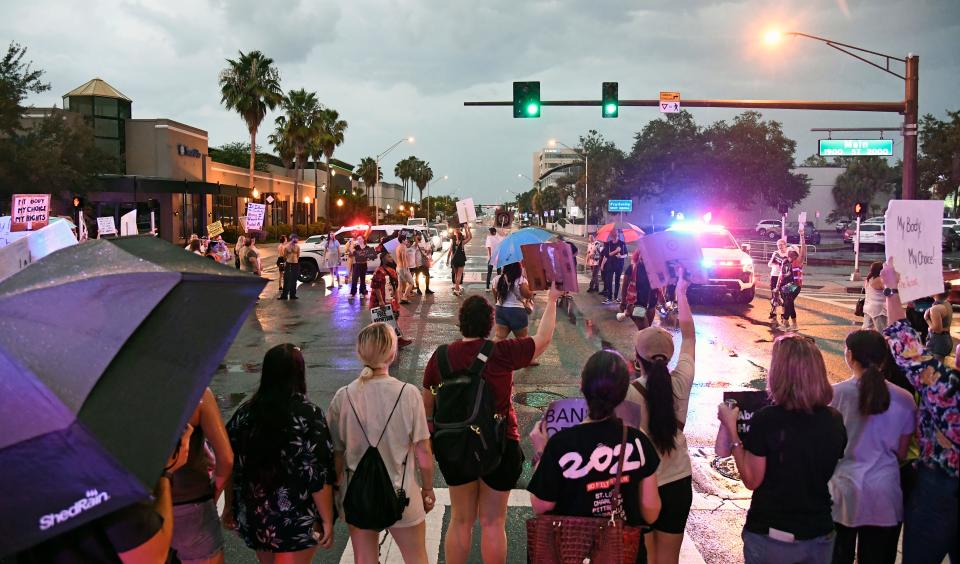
<point x="513" y="318"/>
<point x="197" y="534"/>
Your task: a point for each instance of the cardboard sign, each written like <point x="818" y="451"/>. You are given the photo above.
<point x="749" y="402"/>
<point x="466" y="212"/>
<point x="384" y="314"/>
<point x="214" y="229"/>
<point x="106" y="226"/>
<point x="255" y="213"/>
<point x="914" y="234"/>
<point x="29" y="212"/>
<point x="662" y="252"/>
<point x="550" y="262"/>
<point x="128" y="223"/>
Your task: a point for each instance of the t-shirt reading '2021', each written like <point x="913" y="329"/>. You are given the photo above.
<point x="578" y="470"/>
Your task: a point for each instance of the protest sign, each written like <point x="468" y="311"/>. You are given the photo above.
<point x="19" y="249"/>
<point x="255" y="213"/>
<point x="564" y="413"/>
<point x="29" y="212"/>
<point x="749" y="402"/>
<point x="466" y="212"/>
<point x="214" y="229"/>
<point x="914" y="234"/>
<point x="391" y="246"/>
<point x="663" y="251"/>
<point x="14" y="258"/>
<point x="106" y="226"/>
<point x="384" y="314"/>
<point x="128" y="223"/>
<point x="802" y="220"/>
<point x="550" y="262"/>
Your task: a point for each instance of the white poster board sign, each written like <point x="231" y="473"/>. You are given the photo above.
<point x="20" y="248"/>
<point x="255" y="213"/>
<point x="384" y="314"/>
<point x="128" y="223"/>
<point x="106" y="226"/>
<point x="14" y="258"/>
<point x="802" y="219"/>
<point x="466" y="211"/>
<point x="914" y="233"/>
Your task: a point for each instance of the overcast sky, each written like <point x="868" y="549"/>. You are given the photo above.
<point x="395" y="68"/>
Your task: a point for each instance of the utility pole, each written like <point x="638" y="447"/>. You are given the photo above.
<point x="911" y="81"/>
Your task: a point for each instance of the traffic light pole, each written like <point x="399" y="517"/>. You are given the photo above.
<point x="855" y="275"/>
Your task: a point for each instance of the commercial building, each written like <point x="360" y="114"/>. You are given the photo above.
<point x="164" y="167"/>
<point x="549" y="158"/>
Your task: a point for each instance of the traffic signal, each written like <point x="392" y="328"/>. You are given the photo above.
<point x="610" y="100"/>
<point x="858" y="210"/>
<point x="526" y="99"/>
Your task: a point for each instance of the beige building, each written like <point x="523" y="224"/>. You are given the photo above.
<point x="165" y="168"/>
<point x="549" y="158"/>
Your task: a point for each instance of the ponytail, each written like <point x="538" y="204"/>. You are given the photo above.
<point x="870" y="350"/>
<point x="660" y="404"/>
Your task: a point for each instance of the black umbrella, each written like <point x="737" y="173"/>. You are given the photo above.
<point x="105" y="350"/>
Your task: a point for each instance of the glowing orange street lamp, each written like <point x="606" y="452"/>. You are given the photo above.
<point x="339" y="202"/>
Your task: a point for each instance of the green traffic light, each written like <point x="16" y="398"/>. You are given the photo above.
<point x="610" y="109"/>
<point x="533" y="109"/>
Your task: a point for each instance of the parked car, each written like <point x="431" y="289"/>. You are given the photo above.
<point x="878" y="219"/>
<point x="872" y="236"/>
<point x="951" y="240"/>
<point x="769" y="229"/>
<point x="842" y="225"/>
<point x="811" y="235"/>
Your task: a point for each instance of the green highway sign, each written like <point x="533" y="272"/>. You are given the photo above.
<point x="856" y="147"/>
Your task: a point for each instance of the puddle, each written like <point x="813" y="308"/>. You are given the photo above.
<point x="538" y="399"/>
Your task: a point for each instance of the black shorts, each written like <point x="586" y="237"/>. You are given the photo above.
<point x="503" y="478"/>
<point x="675" y="501"/>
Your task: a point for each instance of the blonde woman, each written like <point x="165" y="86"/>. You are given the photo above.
<point x="378" y="410"/>
<point x="788" y="458"/>
<point x="238" y="250"/>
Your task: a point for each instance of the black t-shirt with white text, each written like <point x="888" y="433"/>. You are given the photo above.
<point x="801" y="451"/>
<point x="578" y="470"/>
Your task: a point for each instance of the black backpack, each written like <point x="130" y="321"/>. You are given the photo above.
<point x="372" y="502"/>
<point x="468" y="432"/>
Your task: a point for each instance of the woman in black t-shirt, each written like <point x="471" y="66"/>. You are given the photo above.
<point x="576" y="474"/>
<point x="788" y="453"/>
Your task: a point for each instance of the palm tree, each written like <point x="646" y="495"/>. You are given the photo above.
<point x="367" y="170"/>
<point x="300" y="124"/>
<point x="330" y="137"/>
<point x="251" y="85"/>
<point x="422" y="176"/>
<point x="404" y="171"/>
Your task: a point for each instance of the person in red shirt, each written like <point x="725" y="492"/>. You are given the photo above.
<point x="487" y="497"/>
<point x="383" y="291"/>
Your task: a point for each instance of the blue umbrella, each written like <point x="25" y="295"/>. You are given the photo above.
<point x="508" y="251"/>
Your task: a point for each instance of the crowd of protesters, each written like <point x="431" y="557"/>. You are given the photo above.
<point x="830" y="466"/>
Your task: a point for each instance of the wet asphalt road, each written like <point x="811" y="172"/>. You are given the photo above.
<point x="733" y="348"/>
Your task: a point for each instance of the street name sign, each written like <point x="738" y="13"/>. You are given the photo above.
<point x="856" y="147"/>
<point x="29" y="212"/>
<point x="914" y="234"/>
<point x="669" y="102"/>
<point x="620" y="206"/>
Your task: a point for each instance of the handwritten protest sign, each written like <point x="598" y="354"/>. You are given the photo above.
<point x="106" y="226"/>
<point x="384" y="314"/>
<point x="29" y="212"/>
<point x="128" y="223"/>
<point x="914" y="233"/>
<point x="214" y="229"/>
<point x="255" y="213"/>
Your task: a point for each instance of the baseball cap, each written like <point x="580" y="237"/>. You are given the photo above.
<point x="654" y="341"/>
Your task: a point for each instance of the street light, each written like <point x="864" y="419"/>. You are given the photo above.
<point x="376" y="208"/>
<point x="911" y="78"/>
<point x="444" y="177"/>
<point x="586" y="181"/>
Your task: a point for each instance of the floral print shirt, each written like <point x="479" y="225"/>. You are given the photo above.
<point x="939" y="425"/>
<point x="282" y="519"/>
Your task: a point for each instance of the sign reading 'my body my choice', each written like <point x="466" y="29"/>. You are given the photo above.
<point x="914" y="232"/>
<point x="29" y="212"/>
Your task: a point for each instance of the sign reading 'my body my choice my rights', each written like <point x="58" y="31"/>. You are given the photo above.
<point x="914" y="232"/>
